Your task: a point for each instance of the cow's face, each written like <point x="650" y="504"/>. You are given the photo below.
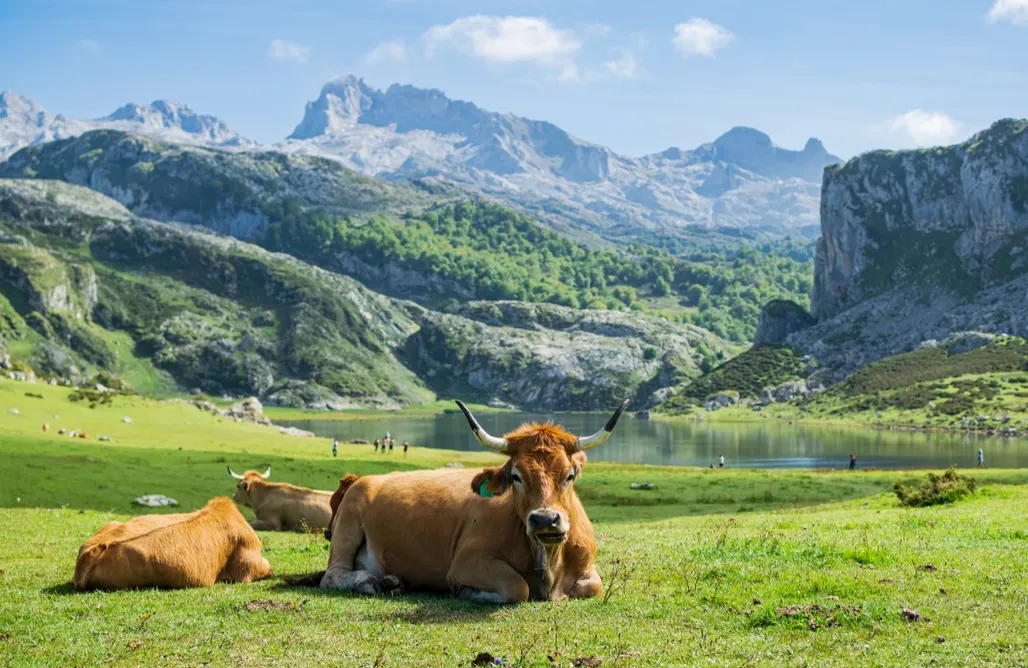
<point x="544" y="463"/>
<point x="242" y="495"/>
<point x="245" y="484"/>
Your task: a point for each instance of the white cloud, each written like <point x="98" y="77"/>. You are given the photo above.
<point x="924" y="128"/>
<point x="700" y="37"/>
<point x="1015" y="11"/>
<point x="505" y="39"/>
<point x="386" y="52"/>
<point x="281" y="49"/>
<point x="625" y="66"/>
<point x="89" y="44"/>
<point x="596" y="29"/>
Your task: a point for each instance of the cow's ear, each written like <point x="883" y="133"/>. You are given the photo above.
<point x="245" y="486"/>
<point x="491" y="482"/>
<point x="578" y="461"/>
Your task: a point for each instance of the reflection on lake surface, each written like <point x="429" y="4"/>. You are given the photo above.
<point x="775" y="445"/>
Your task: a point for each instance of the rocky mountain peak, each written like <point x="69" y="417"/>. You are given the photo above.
<point x="340" y="105"/>
<point x="14" y="105"/>
<point x="348" y="100"/>
<point x="168" y="115"/>
<point x="742" y="141"/>
<point x="753" y="150"/>
<point x="814" y="146"/>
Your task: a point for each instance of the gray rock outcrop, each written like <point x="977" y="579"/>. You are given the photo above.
<point x="919" y="245"/>
<point x="778" y="320"/>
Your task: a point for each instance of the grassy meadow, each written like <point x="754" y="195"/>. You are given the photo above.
<point x="727" y="568"/>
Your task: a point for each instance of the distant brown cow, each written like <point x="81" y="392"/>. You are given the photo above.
<point x="280" y="506"/>
<point x="337" y="496"/>
<point x="213" y="544"/>
<point x="498" y="535"/>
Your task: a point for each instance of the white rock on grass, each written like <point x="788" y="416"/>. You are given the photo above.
<point x="155" y="501"/>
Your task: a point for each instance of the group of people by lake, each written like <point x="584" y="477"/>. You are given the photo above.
<point x="388" y="443"/>
<point x="385" y="444"/>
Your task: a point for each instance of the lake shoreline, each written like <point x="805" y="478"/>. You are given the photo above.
<point x="846" y="424"/>
<point x="443" y="408"/>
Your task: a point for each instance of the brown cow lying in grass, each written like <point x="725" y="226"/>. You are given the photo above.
<point x="499" y="535"/>
<point x="213" y="544"/>
<point x="280" y="506"/>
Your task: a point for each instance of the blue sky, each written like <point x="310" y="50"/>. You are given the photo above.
<point x="636" y="76"/>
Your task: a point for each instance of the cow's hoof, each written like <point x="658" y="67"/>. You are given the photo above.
<point x="391" y="585"/>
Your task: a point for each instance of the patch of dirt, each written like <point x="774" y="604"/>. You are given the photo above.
<point x="810" y="611"/>
<point x="927" y="568"/>
<point x="911" y="615"/>
<point x="483" y="659"/>
<point x="587" y="662"/>
<point x="264" y="604"/>
<point x="4" y="637"/>
<point x="133" y="646"/>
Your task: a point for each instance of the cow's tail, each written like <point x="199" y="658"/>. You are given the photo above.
<point x="309" y="580"/>
<point x="345" y="483"/>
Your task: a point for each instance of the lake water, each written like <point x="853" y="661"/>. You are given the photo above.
<point x="763" y="445"/>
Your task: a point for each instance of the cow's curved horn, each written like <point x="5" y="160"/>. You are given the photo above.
<point x="491" y="442"/>
<point x="234" y="475"/>
<point x="587" y="442"/>
<point x="266" y="473"/>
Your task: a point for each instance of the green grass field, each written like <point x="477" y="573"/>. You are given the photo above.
<point x="726" y="568"/>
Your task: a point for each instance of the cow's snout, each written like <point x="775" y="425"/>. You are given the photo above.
<point x="548" y="526"/>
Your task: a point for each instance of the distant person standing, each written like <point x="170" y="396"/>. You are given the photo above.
<point x="392" y="444"/>
<point x="981" y="459"/>
<point x="853" y="462"/>
<point x="721" y="462"/>
<point x="405" y="446"/>
<point x="335" y="446"/>
<point x="376" y="445"/>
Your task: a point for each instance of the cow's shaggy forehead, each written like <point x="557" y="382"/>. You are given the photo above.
<point x="540" y="438"/>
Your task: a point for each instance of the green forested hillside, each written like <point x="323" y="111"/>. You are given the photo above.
<point x="86" y="288"/>
<point x="486" y="251"/>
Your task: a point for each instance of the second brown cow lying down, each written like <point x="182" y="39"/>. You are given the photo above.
<point x="213" y="544"/>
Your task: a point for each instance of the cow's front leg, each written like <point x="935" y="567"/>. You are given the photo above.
<point x="587" y="586"/>
<point x="487" y="580"/>
<point x="262" y="525"/>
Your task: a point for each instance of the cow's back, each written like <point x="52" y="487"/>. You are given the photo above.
<point x="293" y="507"/>
<point x="170" y="551"/>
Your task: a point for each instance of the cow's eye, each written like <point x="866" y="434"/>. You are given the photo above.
<point x="515" y="477"/>
<point x="571" y="477"/>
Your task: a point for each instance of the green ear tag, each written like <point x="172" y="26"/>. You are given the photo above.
<point x="483" y="491"/>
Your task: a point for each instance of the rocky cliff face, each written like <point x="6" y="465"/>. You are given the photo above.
<point x="951" y="216"/>
<point x="917" y="245"/>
